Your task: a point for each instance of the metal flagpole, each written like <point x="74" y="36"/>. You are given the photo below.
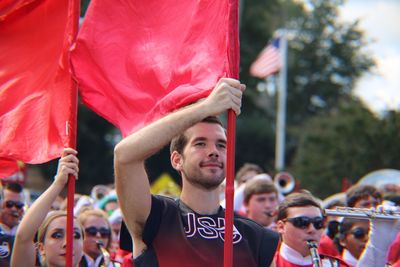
<point x="281" y="114"/>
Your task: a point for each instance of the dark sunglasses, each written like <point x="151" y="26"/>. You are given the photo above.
<point x="92" y="231"/>
<point x="303" y="222"/>
<point x="10" y="203"/>
<point x="359" y="233"/>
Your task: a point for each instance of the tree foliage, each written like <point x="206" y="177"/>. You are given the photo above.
<point x="347" y="143"/>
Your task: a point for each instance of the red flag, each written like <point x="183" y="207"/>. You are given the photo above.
<point x="268" y="61"/>
<point x="136" y="61"/>
<point x="36" y="107"/>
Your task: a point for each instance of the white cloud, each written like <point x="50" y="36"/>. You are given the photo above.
<point x="379" y="19"/>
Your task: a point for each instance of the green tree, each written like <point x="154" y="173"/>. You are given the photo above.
<point x="347" y="143"/>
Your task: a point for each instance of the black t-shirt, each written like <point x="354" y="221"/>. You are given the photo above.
<point x="177" y="236"/>
<point x="6" y="246"/>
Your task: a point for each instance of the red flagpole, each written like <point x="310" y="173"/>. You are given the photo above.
<point x="234" y="59"/>
<point x="229" y="190"/>
<point x="71" y="127"/>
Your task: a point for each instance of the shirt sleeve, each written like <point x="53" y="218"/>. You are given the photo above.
<point x="150" y="229"/>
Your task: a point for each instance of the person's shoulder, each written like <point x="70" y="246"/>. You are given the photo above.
<point x="248" y="223"/>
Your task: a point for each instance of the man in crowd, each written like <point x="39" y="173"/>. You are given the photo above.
<point x="301" y="223"/>
<point x="189" y="231"/>
<point x="261" y="202"/>
<point x="12" y="207"/>
<point x="363" y="196"/>
<point x="11" y="212"/>
<point x="247" y="172"/>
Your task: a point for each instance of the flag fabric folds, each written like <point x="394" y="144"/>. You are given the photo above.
<point x="35" y="80"/>
<point x="136" y="61"/>
<point x="268" y="61"/>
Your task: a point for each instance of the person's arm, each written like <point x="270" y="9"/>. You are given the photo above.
<point x="382" y="234"/>
<point x="132" y="183"/>
<point x="24" y="253"/>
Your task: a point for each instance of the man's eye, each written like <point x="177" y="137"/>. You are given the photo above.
<point x="222" y="145"/>
<point x="200" y="144"/>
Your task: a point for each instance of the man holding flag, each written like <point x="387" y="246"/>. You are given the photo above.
<point x="188" y="231"/>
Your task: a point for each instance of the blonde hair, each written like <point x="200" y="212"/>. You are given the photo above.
<point x="87" y="212"/>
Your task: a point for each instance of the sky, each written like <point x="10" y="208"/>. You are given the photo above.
<point x="380" y="20"/>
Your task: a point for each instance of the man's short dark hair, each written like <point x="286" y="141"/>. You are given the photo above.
<point x="301" y="199"/>
<point x="179" y="142"/>
<point x="258" y="186"/>
<point x="246" y="168"/>
<point x="358" y="192"/>
<point x="13" y="187"/>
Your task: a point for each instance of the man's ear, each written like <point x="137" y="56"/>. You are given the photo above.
<point x="176" y="160"/>
<point x="280" y="226"/>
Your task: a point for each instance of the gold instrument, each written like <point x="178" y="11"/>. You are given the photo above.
<point x="363" y="213"/>
<point x="312" y="245"/>
<point x="104" y="252"/>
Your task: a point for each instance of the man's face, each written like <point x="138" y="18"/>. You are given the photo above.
<point x="12" y="209"/>
<point x="356" y="238"/>
<point x="367" y="202"/>
<point x="295" y="237"/>
<point x="261" y="206"/>
<point x="202" y="162"/>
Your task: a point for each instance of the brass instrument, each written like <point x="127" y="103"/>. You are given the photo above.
<point x="312" y="245"/>
<point x="104" y="252"/>
<point x="285" y="182"/>
<point x="363" y="213"/>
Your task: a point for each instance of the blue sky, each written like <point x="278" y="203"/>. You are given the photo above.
<point x="380" y="19"/>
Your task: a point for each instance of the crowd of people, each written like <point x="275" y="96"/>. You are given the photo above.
<point x="125" y="225"/>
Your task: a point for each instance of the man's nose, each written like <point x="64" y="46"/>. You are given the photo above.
<point x="213" y="152"/>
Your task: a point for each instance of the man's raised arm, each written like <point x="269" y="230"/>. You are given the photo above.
<point x="132" y="183"/>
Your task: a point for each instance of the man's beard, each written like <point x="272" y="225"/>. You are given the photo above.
<point x="208" y="183"/>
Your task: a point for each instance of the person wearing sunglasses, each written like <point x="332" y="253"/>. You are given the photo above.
<point x="97" y="241"/>
<point x="300" y="219"/>
<point x="49" y="226"/>
<point x="12" y="207"/>
<point x="366" y="242"/>
<point x="353" y="237"/>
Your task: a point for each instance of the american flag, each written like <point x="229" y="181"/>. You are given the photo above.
<point x="268" y="61"/>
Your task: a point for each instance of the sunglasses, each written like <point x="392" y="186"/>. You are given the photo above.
<point x="303" y="222"/>
<point x="92" y="231"/>
<point x="10" y="203"/>
<point x="359" y="233"/>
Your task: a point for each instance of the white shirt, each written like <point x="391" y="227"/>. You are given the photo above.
<point x="349" y="258"/>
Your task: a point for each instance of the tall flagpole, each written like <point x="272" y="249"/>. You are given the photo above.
<point x="281" y="114"/>
<point x="234" y="59"/>
<point x="71" y="128"/>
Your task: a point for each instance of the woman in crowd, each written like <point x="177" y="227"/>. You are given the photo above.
<point x="51" y="229"/>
